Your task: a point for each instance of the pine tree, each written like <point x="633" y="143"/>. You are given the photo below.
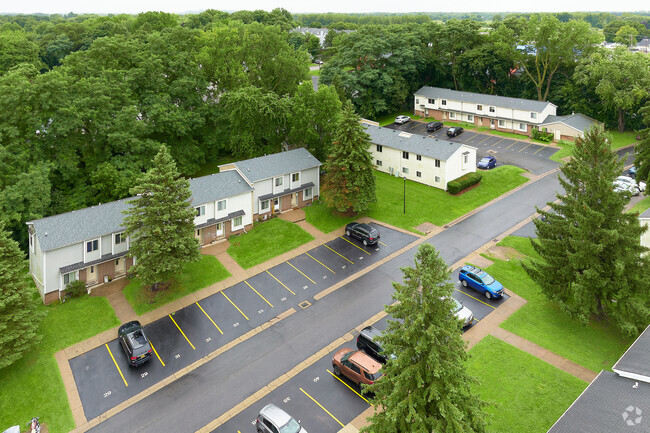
<point x="426" y="387"/>
<point x="19" y="312"/>
<point x="349" y="182"/>
<point x="591" y="256"/>
<point x="161" y="223"/>
<point x="642" y="157"/>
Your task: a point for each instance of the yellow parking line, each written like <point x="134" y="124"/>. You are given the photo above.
<point x="527" y="146"/>
<point x="321" y="406"/>
<point x="338" y="254"/>
<point x="179" y="328"/>
<point x="382" y="243"/>
<point x="258" y="293"/>
<point x="280" y="282"/>
<point x="511" y="145"/>
<point x="206" y="315"/>
<point x="321" y="263"/>
<point x="491" y="306"/>
<point x="498" y="142"/>
<point x="540" y="149"/>
<point x="301" y="272"/>
<point x="483" y="139"/>
<point x="116" y="366"/>
<point x="233" y="304"/>
<point x="339" y="379"/>
<point x="356" y="246"/>
<point x="156" y="352"/>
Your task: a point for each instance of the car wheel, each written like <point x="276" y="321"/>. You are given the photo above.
<point x="488" y="294"/>
<point x="365" y="242"/>
<point x="347" y="233"/>
<point x="464" y="283"/>
<point x="336" y="369"/>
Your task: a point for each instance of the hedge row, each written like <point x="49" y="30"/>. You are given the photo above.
<point x="456" y="186"/>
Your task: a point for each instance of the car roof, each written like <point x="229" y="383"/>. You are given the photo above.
<point x="370" y="332"/>
<point x="365" y="361"/>
<point x="473" y="269"/>
<point x="277" y="415"/>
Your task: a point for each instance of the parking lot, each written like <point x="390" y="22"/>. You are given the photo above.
<point x="324" y="402"/>
<point x="104" y="379"/>
<point x="530" y="156"/>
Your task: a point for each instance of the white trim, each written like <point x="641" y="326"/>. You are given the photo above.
<point x="633" y="376"/>
<point x="44" y="275"/>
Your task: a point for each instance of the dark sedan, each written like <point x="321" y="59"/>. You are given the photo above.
<point x="434" y="126"/>
<point x="454" y="131"/>
<point x="365" y="233"/>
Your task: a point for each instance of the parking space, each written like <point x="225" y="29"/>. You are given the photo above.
<point x="104" y="379"/>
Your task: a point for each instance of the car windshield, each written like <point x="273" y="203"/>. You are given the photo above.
<point x="487" y="278"/>
<point x="457" y="305"/>
<point x="374" y="376"/>
<point x="486" y="159"/>
<point x="291" y="427"/>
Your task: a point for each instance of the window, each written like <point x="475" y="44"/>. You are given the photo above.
<point x="470" y="118"/>
<point x="405" y="170"/>
<point x="452" y="115"/>
<point x="69" y="277"/>
<point x="295" y="177"/>
<point x="119" y="238"/>
<point x="432" y="101"/>
<point x="418" y="157"/>
<point x="502" y="123"/>
<point x="264" y="205"/>
<point x="92" y="269"/>
<point x="522" y="127"/>
<point x="198" y="232"/>
<point x="379" y="148"/>
<point x="237" y="222"/>
<point x="278" y="181"/>
<point x="437" y="179"/>
<point x="405" y="155"/>
<point x="221" y="205"/>
<point x="379" y="163"/>
<point x="437" y="163"/>
<point x="417" y="101"/>
<point x="479" y="108"/>
<point x="92" y="246"/>
<point x="117" y="262"/>
<point x="465" y="157"/>
<point x="533" y="115"/>
<point x="307" y="194"/>
<point x="443" y="102"/>
<point x="418" y="174"/>
<point x="493" y="110"/>
<point x="200" y="210"/>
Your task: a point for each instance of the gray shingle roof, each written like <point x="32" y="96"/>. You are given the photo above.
<point x="577" y="121"/>
<point x="479" y="98"/>
<point x="276" y="164"/>
<point x="645" y="214"/>
<point x="609" y="404"/>
<point x="417" y="144"/>
<point x="68" y="228"/>
<point x="636" y="360"/>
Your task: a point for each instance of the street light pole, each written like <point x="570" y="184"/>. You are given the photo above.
<point x="404" y="177"/>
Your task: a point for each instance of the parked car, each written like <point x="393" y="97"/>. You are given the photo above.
<point x="632" y="172"/>
<point x="400" y="120"/>
<point x="625" y="187"/>
<point x="135" y="343"/>
<point x="434" y="126"/>
<point x="454" y="131"/>
<point x="487" y="162"/>
<point x="318" y="61"/>
<point x="356" y="366"/>
<point x="272" y="419"/>
<point x="627" y="179"/>
<point x="367" y="343"/>
<point x="462" y="313"/>
<point x="481" y="281"/>
<point x="364" y="232"/>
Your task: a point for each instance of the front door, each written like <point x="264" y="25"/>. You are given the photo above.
<point x="219" y="229"/>
<point x="120" y="266"/>
<point x="276" y="204"/>
<point x="91" y="274"/>
<point x="294" y="200"/>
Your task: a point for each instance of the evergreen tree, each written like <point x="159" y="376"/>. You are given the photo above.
<point x="642" y="157"/>
<point x="349" y="182"/>
<point x="161" y="223"/>
<point x="19" y="312"/>
<point x="592" y="261"/>
<point x="426" y="387"/>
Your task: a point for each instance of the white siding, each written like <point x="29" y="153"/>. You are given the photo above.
<point x="311" y="175"/>
<point x="393" y="158"/>
<point x="455" y="166"/>
<point x="263" y="187"/>
<point x="242" y="202"/>
<point x="645" y="238"/>
<point x="106" y="245"/>
<point x="36" y="265"/>
<point x="57" y="259"/>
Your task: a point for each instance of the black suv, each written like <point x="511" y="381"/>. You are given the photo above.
<point x="367" y="344"/>
<point x="135" y="343"/>
<point x="369" y="235"/>
<point x="454" y="131"/>
<point x="433" y="126"/>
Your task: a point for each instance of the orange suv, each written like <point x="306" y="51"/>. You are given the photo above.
<point x="356" y="366"/>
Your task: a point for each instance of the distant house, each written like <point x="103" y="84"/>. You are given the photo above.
<point x="617" y="401"/>
<point x="501" y="113"/>
<point x="644" y="219"/>
<point x="569" y="127"/>
<point x="89" y="244"/>
<point x="423" y="159"/>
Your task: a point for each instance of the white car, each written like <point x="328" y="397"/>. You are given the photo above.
<point x="400" y="120"/>
<point x="620" y="186"/>
<point x="641" y="185"/>
<point x="462" y="313"/>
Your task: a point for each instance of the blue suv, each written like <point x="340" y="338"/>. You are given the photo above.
<point x="480" y="280"/>
<point x="487" y="162"/>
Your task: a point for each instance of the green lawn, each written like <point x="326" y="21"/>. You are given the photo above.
<point x="195" y="276"/>
<point x="315" y="72"/>
<point x="265" y="241"/>
<point x="641" y="206"/>
<point x="390" y="118"/>
<point x="462" y="124"/>
<point x="502" y="133"/>
<point x="566" y="149"/>
<point x="213" y="167"/>
<point x="595" y="346"/>
<point x="529" y="395"/>
<point x="33" y="385"/>
<point x="620" y="139"/>
<point x="423" y="203"/>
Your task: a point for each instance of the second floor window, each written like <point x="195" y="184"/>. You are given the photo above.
<point x="493" y="109"/>
<point x="221" y="205"/>
<point x="479" y="108"/>
<point x="438" y="163"/>
<point x="278" y="181"/>
<point x="295" y="177"/>
<point x="92" y="246"/>
<point x="200" y="210"/>
<point x="533" y="115"/>
<point x="379" y="148"/>
<point x="405" y="155"/>
<point x="432" y="101"/>
<point x="120" y="238"/>
<point x="418" y="157"/>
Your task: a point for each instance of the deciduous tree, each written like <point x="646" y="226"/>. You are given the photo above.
<point x="426" y="387"/>
<point x="592" y="263"/>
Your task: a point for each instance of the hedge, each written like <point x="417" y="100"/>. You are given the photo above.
<point x="464" y="182"/>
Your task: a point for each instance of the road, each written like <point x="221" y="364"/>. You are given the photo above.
<point x="197" y="398"/>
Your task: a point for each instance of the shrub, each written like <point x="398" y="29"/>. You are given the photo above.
<point x="76" y="288"/>
<point x="546" y="137"/>
<point x="464" y="182"/>
<point x="564" y="143"/>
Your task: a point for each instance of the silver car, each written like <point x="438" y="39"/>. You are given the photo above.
<point x="462" y="313"/>
<point x="272" y="419"/>
<point x="632" y="182"/>
<point x="400" y="120"/>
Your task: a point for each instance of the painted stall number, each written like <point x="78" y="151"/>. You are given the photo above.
<point x="145" y="374"/>
<point x="178" y="355"/>
<point x="343" y="267"/>
<point x="260" y="311"/>
<point x="316" y="379"/>
<point x="283" y="299"/>
<point x="107" y="393"/>
<point x="287" y="400"/>
<point x="209" y="339"/>
<point x="360" y="258"/>
<point x="236" y="324"/>
<point x="324" y="277"/>
<point x="305" y="287"/>
<point x="376" y="249"/>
